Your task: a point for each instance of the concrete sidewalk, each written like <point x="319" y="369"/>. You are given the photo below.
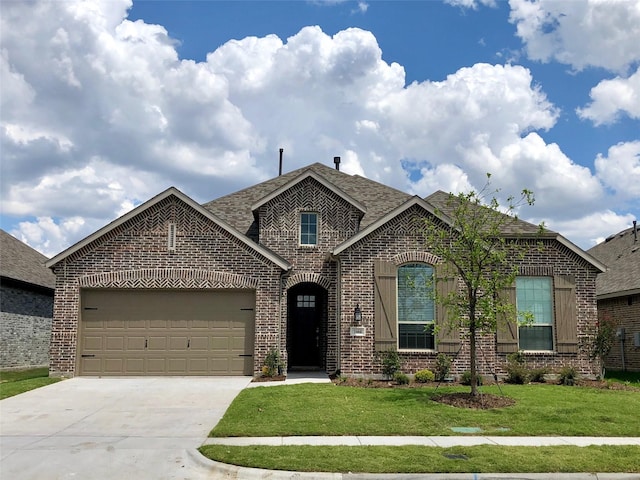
<point x="434" y="441"/>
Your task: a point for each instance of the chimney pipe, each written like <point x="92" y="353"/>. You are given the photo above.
<point x="336" y="160"/>
<point x="635" y="231"/>
<point x="280" y="170"/>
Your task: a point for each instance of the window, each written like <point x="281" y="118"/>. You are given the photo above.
<point x="306" y="301"/>
<point x="534" y="296"/>
<point x="416" y="307"/>
<point x="308" y="228"/>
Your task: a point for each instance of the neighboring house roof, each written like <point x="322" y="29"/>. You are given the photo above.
<point x="264" y="251"/>
<point x="621" y="254"/>
<point x="376" y="198"/>
<point x="18" y="261"/>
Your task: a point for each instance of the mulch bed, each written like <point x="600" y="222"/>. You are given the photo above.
<point x="484" y="401"/>
<point x="275" y="378"/>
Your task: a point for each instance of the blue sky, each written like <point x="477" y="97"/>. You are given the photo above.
<point x="107" y="104"/>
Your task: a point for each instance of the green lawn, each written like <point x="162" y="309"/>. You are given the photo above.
<point x="13" y="382"/>
<point x="327" y="409"/>
<point x="414" y="459"/>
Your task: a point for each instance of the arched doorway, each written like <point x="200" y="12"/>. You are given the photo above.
<point x="306" y="326"/>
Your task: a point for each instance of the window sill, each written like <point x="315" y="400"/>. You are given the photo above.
<point x="426" y="350"/>
<point x="538" y="352"/>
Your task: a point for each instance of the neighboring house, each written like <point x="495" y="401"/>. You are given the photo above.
<point x="26" y="305"/>
<point x="178" y="288"/>
<point x="618" y="293"/>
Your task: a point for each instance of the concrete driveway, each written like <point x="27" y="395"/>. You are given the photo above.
<point x="113" y="428"/>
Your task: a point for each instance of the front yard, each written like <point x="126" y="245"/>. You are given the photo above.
<point x="327" y="409"/>
<point x="13" y="382"/>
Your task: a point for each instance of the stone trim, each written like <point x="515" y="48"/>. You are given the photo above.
<point x="308" y="277"/>
<point x="423" y="257"/>
<point x="167" y="278"/>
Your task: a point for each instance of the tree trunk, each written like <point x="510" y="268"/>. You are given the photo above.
<point x="472" y="353"/>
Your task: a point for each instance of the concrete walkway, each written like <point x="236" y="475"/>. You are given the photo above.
<point x="440" y="441"/>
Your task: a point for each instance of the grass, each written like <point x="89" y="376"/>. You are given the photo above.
<point x="414" y="459"/>
<point x="326" y="409"/>
<point x="14" y="382"/>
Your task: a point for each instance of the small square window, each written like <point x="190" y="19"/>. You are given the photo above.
<point x="306" y="301"/>
<point x="308" y="228"/>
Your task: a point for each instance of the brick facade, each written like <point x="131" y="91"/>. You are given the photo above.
<point x="25" y="325"/>
<point x="135" y="254"/>
<point x="401" y="241"/>
<point x="624" y="310"/>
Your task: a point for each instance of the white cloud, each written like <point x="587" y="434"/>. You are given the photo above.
<point x="612" y="98"/>
<point x="474" y="4"/>
<point x="580" y="33"/>
<point x="100" y="113"/>
<point x="620" y="170"/>
<point x="589" y="230"/>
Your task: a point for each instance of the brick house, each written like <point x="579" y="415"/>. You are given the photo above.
<point x="26" y="305"/>
<point x="178" y="288"/>
<point x="618" y="295"/>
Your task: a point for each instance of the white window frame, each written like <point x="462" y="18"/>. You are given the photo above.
<point x="550" y="310"/>
<point x="431" y="301"/>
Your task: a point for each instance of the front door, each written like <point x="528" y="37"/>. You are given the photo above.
<point x="305" y="327"/>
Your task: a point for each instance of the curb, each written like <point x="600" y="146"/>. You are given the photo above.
<point x="223" y="470"/>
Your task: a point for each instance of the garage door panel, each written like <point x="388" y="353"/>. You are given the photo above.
<point x="135" y="342"/>
<point x="155" y="342"/>
<point x="147" y="332"/>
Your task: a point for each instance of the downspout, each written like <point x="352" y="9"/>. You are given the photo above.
<point x="338" y="313"/>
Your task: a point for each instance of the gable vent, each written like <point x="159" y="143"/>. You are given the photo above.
<point x="171" y="237"/>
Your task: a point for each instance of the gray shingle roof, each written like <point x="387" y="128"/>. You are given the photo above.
<point x="378" y="199"/>
<point x="440" y="200"/>
<point x="621" y="254"/>
<point x="19" y="261"/>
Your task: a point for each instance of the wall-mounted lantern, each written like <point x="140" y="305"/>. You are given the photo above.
<point x="357" y="330"/>
<point x="357" y="316"/>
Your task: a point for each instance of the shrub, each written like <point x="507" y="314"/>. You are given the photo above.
<point x="537" y="374"/>
<point x="516" y="369"/>
<point x="465" y="379"/>
<point x="272" y="363"/>
<point x="390" y="362"/>
<point x="443" y="365"/>
<point x="568" y="375"/>
<point x="400" y="378"/>
<point x="424" y="376"/>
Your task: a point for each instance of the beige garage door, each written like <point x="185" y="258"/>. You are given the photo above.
<point x="166" y="332"/>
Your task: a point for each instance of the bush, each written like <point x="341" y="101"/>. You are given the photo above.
<point x="400" y="378"/>
<point x="424" y="376"/>
<point x="390" y="362"/>
<point x="516" y="369"/>
<point x="465" y="379"/>
<point x="443" y="365"/>
<point x="568" y="375"/>
<point x="537" y="374"/>
<point x="272" y="363"/>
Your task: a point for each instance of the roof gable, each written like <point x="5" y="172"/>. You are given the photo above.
<point x="413" y="201"/>
<point x="376" y="198"/>
<point x="172" y="191"/>
<point x="302" y="177"/>
<point x="23" y="263"/>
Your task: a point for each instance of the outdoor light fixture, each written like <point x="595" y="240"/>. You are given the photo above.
<point x="357" y="315"/>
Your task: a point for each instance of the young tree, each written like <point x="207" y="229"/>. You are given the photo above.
<point x="475" y="246"/>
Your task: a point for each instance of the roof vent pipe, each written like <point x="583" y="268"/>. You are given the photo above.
<point x="336" y="160"/>
<point x="635" y="232"/>
<point x="280" y="170"/>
